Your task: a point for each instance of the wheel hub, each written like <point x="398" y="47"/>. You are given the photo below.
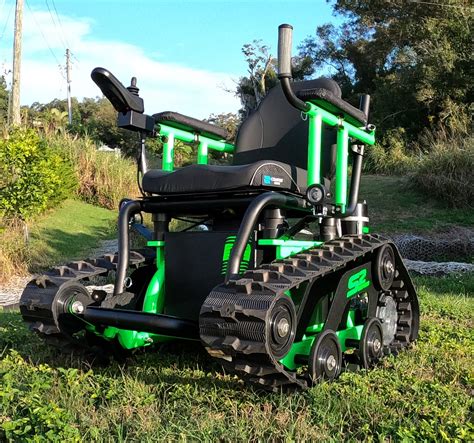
<point x="388" y="315"/>
<point x="331" y="363"/>
<point x="376" y="345"/>
<point x="283" y="327"/>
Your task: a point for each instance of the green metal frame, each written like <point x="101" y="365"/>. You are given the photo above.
<point x="204" y="145"/>
<point x="317" y="116"/>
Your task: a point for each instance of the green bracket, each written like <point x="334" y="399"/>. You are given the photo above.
<point x="286" y="248"/>
<point x="153" y="303"/>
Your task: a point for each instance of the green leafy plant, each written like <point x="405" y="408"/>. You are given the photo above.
<point x="33" y="176"/>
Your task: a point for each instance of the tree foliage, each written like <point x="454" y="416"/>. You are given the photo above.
<point x="414" y="58"/>
<point x="262" y="74"/>
<point x="3" y="100"/>
<point x="33" y="176"/>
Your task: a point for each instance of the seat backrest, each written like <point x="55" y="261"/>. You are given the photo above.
<point x="276" y="130"/>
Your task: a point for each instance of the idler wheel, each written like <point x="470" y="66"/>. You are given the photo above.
<point x="325" y="359"/>
<point x="371" y="343"/>
<point x="281" y="326"/>
<point x="384" y="267"/>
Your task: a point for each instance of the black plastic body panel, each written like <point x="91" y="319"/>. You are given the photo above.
<point x="194" y="266"/>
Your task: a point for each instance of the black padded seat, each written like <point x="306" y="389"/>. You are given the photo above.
<point x="333" y="103"/>
<point x="191" y="179"/>
<point x="180" y="121"/>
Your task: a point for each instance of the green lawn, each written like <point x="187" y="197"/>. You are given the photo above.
<point x="423" y="394"/>
<point x="395" y="207"/>
<point x="69" y="232"/>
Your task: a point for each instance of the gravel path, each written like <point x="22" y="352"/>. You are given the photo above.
<point x="10" y="293"/>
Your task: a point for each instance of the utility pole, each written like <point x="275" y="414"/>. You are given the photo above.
<point x="15" y="106"/>
<point x="68" y="78"/>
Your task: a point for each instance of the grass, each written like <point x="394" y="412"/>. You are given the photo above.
<point x="70" y="232"/>
<point x="396" y="207"/>
<point x="67" y="232"/>
<point x="423" y="394"/>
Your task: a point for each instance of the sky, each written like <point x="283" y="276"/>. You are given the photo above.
<point x="186" y="55"/>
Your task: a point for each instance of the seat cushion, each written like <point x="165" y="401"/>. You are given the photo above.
<point x="211" y="178"/>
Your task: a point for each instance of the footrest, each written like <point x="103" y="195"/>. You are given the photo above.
<point x="180" y="121"/>
<point x="336" y="105"/>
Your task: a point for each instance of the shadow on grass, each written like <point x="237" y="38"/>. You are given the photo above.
<point x="55" y="245"/>
<point x="170" y="363"/>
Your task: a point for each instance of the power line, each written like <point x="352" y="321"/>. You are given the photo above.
<point x="7" y="20"/>
<point x="56" y="25"/>
<point x="60" y="24"/>
<point x="44" y="38"/>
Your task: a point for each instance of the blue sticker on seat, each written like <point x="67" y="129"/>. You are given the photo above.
<point x="268" y="180"/>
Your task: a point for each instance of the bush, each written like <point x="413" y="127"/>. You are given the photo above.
<point x="33" y="177"/>
<point x="104" y="179"/>
<point x="446" y="170"/>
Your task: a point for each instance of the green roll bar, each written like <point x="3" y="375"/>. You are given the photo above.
<point x="204" y="144"/>
<point x="317" y="116"/>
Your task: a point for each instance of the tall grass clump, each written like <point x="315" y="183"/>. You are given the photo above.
<point x="104" y="178"/>
<point x="445" y="171"/>
<point x="390" y="156"/>
<point x="14" y="254"/>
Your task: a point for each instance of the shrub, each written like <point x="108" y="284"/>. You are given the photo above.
<point x="33" y="177"/>
<point x="446" y="170"/>
<point x="104" y="178"/>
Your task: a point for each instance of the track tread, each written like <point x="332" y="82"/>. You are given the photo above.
<point x="245" y="353"/>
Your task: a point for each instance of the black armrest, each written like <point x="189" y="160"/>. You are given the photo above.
<point x="180" y="121"/>
<point x="336" y="105"/>
<point x="120" y="97"/>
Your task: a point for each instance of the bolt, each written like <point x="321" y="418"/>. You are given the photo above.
<point x="77" y="307"/>
<point x="377" y="345"/>
<point x="390" y="267"/>
<point x="331" y="362"/>
<point x="283" y="327"/>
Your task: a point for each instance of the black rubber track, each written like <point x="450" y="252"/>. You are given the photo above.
<point x="37" y="300"/>
<point x="232" y="318"/>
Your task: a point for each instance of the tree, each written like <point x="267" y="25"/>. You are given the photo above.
<point x="229" y="121"/>
<point x="412" y="57"/>
<point x="3" y="99"/>
<point x="262" y="75"/>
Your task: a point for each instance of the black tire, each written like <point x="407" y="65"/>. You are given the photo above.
<point x="371" y="343"/>
<point x="384" y="268"/>
<point x="325" y="359"/>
